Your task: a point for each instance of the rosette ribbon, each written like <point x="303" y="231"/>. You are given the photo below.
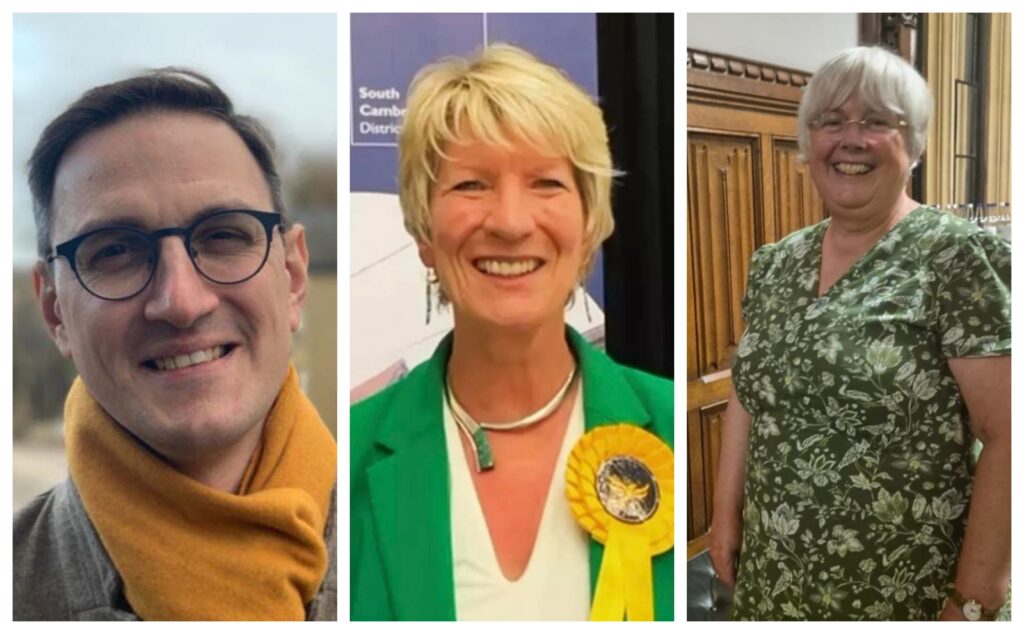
<point x="620" y="489"/>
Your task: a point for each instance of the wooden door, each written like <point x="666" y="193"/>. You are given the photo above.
<point x="745" y="188"/>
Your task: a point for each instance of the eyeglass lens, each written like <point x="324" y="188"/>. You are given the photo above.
<point x="226" y="248"/>
<point x="872" y="124"/>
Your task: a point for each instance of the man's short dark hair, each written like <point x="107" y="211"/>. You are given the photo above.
<point x="162" y="90"/>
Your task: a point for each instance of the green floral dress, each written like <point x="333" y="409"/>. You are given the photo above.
<point x="859" y="474"/>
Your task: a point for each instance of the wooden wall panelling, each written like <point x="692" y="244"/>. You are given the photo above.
<point x="789" y="189"/>
<point x="711" y="420"/>
<point x="723" y="174"/>
<point x="698" y="503"/>
<point x="797" y="203"/>
<point x="703" y="446"/>
<point x="712" y="118"/>
<point x="692" y="354"/>
<point x="722" y="206"/>
<point x="745" y="84"/>
<point x="725" y="177"/>
<point x="744" y="189"/>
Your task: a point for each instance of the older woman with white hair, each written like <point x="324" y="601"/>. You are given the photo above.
<point x="519" y="473"/>
<point x="877" y="349"/>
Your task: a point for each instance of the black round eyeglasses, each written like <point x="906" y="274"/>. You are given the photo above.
<point x="116" y="262"/>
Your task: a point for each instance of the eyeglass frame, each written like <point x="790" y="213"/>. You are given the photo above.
<point x="861" y="124"/>
<point x="68" y="249"/>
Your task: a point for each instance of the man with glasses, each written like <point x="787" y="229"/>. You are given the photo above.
<point x="201" y="478"/>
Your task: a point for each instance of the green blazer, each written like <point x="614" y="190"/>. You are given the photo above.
<point x="401" y="554"/>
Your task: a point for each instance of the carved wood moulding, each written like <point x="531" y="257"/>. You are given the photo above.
<point x="719" y="79"/>
<point x="740" y="67"/>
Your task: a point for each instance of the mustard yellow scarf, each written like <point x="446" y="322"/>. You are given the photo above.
<point x="189" y="552"/>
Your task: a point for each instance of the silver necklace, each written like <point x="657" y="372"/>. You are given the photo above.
<point x="474" y="429"/>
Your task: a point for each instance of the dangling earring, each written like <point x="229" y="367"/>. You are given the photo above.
<point x="586" y="302"/>
<point x="431" y="280"/>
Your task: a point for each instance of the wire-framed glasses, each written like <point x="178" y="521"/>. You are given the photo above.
<point x="116" y="262"/>
<point x="876" y="124"/>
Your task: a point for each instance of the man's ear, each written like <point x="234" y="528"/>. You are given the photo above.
<point x="46" y="295"/>
<point x="296" y="263"/>
<point x="426" y="251"/>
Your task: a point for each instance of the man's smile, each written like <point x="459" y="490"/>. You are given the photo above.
<point x="187" y="360"/>
<point x="178" y="359"/>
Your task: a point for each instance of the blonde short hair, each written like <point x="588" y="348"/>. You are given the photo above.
<point x="883" y="81"/>
<point x="501" y="94"/>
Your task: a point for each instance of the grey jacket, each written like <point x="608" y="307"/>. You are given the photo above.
<point x="63" y="573"/>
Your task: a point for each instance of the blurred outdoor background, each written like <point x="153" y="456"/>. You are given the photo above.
<point x="278" y="68"/>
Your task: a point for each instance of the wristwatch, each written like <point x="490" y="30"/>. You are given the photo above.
<point x="972" y="608"/>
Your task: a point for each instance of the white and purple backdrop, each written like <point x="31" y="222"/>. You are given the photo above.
<point x="389" y="335"/>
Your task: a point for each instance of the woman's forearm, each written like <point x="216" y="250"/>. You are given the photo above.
<point x="726" y="534"/>
<point x="983" y="571"/>
<point x="732" y="461"/>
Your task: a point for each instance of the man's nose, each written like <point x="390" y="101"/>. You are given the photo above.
<point x="510" y="216"/>
<point x="178" y="295"/>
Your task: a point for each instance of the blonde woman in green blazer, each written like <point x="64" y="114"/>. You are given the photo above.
<point x="505" y="183"/>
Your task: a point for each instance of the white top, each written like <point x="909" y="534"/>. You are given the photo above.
<point x="556" y="583"/>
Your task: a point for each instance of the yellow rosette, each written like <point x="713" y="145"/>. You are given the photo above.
<point x="620" y="488"/>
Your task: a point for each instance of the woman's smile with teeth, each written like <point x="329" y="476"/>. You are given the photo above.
<point x="507" y="268"/>
<point x="179" y="361"/>
<point x="852" y="168"/>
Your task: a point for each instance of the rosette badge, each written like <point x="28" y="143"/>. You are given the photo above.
<point x="620" y="487"/>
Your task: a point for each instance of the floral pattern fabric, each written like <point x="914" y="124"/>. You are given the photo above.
<point x="858" y="474"/>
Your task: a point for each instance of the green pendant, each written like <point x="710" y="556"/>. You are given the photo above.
<point x="484" y="455"/>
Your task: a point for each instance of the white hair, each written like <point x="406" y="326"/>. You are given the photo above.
<point x="882" y="80"/>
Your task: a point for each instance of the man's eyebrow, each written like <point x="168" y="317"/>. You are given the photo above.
<point x="227" y="205"/>
<point x="110" y="221"/>
<point x="134" y="222"/>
